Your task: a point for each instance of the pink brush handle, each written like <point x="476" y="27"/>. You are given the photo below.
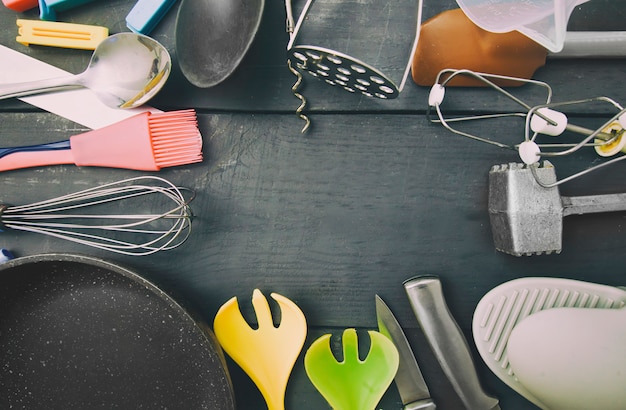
<point x="20" y="160"/>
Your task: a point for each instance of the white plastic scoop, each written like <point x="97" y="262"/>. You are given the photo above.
<point x="508" y="305"/>
<point x="572" y="359"/>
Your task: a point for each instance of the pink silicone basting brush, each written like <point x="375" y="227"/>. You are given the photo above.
<point x="145" y="142"/>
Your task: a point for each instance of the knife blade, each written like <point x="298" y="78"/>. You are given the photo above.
<point x="409" y="380"/>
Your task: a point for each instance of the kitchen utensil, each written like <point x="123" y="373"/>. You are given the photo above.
<point x="546" y="120"/>
<point x="267" y="354"/>
<point x="55" y="34"/>
<point x="125" y="71"/>
<point x="411" y="385"/>
<point x="146" y="14"/>
<point x="294" y="89"/>
<point x="527" y="218"/>
<point x="340" y="69"/>
<point x="545" y="352"/>
<point x="544" y="21"/>
<point x="81" y="332"/>
<point x="446" y="77"/>
<point x="500" y="311"/>
<point x="128" y="233"/>
<point x="540" y="118"/>
<point x="447" y="341"/>
<point x="20" y="5"/>
<point x="213" y="37"/>
<point x="145" y="142"/>
<point x="450" y="40"/>
<point x="80" y="105"/>
<point x="48" y="9"/>
<point x="351" y="383"/>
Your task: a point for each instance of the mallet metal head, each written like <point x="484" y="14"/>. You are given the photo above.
<point x="526" y="218"/>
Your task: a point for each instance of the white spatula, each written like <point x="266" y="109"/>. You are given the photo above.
<point x="572" y="359"/>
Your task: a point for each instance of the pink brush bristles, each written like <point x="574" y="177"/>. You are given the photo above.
<point x="175" y="138"/>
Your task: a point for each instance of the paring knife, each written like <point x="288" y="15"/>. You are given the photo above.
<point x="447" y="341"/>
<point x="409" y="380"/>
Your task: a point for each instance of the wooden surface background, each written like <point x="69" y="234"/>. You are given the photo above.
<point x="373" y="194"/>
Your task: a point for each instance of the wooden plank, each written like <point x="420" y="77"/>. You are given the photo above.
<point x="330" y="219"/>
<point x="354" y="208"/>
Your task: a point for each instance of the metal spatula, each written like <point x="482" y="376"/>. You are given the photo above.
<point x="267" y="354"/>
<point x="352" y="383"/>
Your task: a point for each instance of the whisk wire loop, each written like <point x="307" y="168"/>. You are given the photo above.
<point x="543" y="119"/>
<point x="130" y="234"/>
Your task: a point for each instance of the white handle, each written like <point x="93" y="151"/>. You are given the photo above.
<point x="596" y="44"/>
<point x="38" y="86"/>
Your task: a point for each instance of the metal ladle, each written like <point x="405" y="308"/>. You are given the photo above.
<point x="125" y="71"/>
<point x="213" y="37"/>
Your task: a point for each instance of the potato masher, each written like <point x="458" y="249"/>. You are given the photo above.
<point x="340" y="69"/>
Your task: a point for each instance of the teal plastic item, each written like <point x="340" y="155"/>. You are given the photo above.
<point x="352" y="383"/>
<point x="146" y="14"/>
<point x="48" y="8"/>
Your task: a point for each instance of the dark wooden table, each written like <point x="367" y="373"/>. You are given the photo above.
<point x="372" y="195"/>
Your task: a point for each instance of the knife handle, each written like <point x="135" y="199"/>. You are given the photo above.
<point x="447" y="341"/>
<point x="421" y="405"/>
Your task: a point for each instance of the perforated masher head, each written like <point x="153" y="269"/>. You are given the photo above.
<point x="342" y="70"/>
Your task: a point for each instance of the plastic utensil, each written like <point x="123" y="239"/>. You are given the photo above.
<point x="56" y="34"/>
<point x="504" y="307"/>
<point x="20" y="5"/>
<point x="146" y="14"/>
<point x="450" y="40"/>
<point x="544" y="21"/>
<point x="352" y="383"/>
<point x="125" y="71"/>
<point x="145" y="142"/>
<point x="213" y="36"/>
<point x="48" y="8"/>
<point x="572" y="359"/>
<point x="267" y="354"/>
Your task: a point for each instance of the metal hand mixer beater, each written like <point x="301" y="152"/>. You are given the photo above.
<point x="340" y="69"/>
<point x="543" y="119"/>
<point x="142" y="233"/>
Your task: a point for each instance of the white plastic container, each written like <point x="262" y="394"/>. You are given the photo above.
<point x="544" y="21"/>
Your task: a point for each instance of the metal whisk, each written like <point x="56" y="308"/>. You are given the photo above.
<point x="165" y="224"/>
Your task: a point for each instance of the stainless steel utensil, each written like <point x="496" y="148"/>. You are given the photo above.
<point x="127" y="233"/>
<point x="409" y="380"/>
<point x="125" y="71"/>
<point x="213" y="36"/>
<point x="340" y="69"/>
<point x="447" y="341"/>
<point x="527" y="218"/>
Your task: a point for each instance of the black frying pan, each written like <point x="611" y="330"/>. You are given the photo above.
<point x="79" y="332"/>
